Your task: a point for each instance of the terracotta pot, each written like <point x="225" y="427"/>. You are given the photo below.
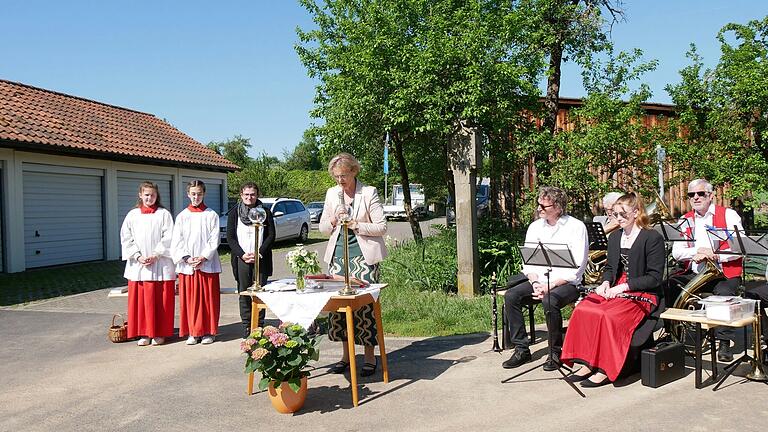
<point x="285" y="400"/>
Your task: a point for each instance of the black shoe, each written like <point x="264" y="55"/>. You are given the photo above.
<point x="520" y="356"/>
<point x="578" y="378"/>
<point x="369" y="368"/>
<point x="724" y="353"/>
<point x="552" y="363"/>
<point x="592" y="384"/>
<point x="339" y="367"/>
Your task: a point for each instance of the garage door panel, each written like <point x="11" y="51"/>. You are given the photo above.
<point x="63" y="218"/>
<point x="128" y="187"/>
<point x="213" y="190"/>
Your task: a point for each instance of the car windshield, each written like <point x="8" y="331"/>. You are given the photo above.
<point x="313" y="205"/>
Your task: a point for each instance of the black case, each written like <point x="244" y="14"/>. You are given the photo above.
<point x="662" y="364"/>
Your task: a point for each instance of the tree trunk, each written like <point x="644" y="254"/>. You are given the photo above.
<point x="415" y="227"/>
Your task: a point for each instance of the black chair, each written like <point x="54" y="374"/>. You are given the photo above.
<point x="643" y="338"/>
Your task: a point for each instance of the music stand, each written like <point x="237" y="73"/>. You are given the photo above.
<point x="679" y="231"/>
<point x="596" y="236"/>
<point x="548" y="255"/>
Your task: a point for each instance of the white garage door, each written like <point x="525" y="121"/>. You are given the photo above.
<point x="1" y="220"/>
<point x="212" y="192"/>
<point x="63" y="217"/>
<point x="128" y="188"/>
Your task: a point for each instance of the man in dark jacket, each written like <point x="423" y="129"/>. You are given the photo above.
<point x="240" y="237"/>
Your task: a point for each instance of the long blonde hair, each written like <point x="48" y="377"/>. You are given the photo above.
<point x="635" y="202"/>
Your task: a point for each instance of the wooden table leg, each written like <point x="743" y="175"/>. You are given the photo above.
<point x="254" y="325"/>
<point x="380" y="338"/>
<point x="351" y="348"/>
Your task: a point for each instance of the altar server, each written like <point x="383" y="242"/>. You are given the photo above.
<point x="145" y="237"/>
<point x="195" y="252"/>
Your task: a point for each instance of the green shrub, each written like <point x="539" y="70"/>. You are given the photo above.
<point x="432" y="264"/>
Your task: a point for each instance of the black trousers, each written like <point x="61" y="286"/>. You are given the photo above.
<point x="521" y="294"/>
<point x="244" y="279"/>
<point x="760" y="293"/>
<point x="723" y="287"/>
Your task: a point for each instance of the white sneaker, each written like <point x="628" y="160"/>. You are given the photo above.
<point x="191" y="340"/>
<point x="158" y="341"/>
<point x="207" y="340"/>
<point x="143" y="341"/>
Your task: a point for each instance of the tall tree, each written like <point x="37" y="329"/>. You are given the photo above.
<point x="414" y="69"/>
<point x="306" y="155"/>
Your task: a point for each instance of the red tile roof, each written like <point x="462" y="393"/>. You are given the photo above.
<point x="47" y="121"/>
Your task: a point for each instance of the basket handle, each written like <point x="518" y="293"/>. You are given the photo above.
<point x="115" y="316"/>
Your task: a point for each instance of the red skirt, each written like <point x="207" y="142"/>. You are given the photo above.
<point x="600" y="331"/>
<point x="151" y="307"/>
<point x="199" y="303"/>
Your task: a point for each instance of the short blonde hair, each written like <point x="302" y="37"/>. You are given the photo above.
<point x="345" y="160"/>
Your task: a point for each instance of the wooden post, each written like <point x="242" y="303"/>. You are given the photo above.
<point x="465" y="159"/>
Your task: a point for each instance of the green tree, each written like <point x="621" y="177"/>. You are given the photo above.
<point x="720" y="133"/>
<point x="306" y="155"/>
<point x="414" y="69"/>
<point x="235" y="149"/>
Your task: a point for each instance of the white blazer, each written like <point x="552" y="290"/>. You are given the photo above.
<point x="371" y="225"/>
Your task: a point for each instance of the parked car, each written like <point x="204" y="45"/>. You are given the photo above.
<point x="315" y="211"/>
<point x="291" y="219"/>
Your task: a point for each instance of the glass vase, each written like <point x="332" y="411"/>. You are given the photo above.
<point x="300" y="281"/>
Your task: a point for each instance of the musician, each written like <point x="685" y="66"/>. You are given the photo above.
<point x="608" y="223"/>
<point x="694" y="254"/>
<point x="601" y="327"/>
<point x="552" y="226"/>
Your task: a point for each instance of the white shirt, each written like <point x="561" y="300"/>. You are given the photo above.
<point x="147" y="234"/>
<point x="196" y="234"/>
<point x="627" y="240"/>
<point x="684" y="251"/>
<point x="245" y="236"/>
<point x="567" y="230"/>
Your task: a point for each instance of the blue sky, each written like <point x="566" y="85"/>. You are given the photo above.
<point x="217" y="69"/>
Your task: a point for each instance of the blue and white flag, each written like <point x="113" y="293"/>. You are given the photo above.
<point x="386" y="154"/>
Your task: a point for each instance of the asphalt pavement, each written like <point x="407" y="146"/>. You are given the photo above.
<point x="59" y="372"/>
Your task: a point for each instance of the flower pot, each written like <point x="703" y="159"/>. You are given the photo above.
<point x="285" y="400"/>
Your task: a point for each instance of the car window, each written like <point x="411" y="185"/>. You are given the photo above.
<point x="299" y="206"/>
<point x="291" y="206"/>
<point x="280" y="207"/>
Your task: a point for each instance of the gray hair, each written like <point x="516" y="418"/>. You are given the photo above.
<point x="557" y="196"/>
<point x="700" y="181"/>
<point x="611" y="198"/>
<point x="346" y="160"/>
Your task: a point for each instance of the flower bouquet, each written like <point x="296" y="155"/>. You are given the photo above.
<point x="302" y="263"/>
<point x="280" y="354"/>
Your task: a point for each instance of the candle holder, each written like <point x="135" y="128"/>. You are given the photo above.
<point x="257" y="215"/>
<point x="345" y="218"/>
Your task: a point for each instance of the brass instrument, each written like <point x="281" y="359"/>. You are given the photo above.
<point x="495" y="321"/>
<point x="687" y="296"/>
<point x="758" y="369"/>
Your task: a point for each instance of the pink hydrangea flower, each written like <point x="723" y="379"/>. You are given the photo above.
<point x="278" y="339"/>
<point x="259" y="353"/>
<point x="269" y="331"/>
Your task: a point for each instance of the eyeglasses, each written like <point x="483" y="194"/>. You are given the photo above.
<point x="544" y="207"/>
<point x="621" y="214"/>
<point x="699" y="193"/>
<point x="342" y="176"/>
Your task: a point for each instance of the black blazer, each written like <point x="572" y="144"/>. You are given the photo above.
<point x="265" y="264"/>
<point x="646" y="261"/>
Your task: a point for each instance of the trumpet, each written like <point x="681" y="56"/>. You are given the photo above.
<point x="758" y="368"/>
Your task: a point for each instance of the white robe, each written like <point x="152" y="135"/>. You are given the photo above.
<point x="148" y="234"/>
<point x="196" y="234"/>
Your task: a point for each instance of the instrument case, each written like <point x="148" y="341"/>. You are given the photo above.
<point x="662" y="364"/>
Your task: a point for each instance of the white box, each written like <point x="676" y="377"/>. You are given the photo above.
<point x="732" y="309"/>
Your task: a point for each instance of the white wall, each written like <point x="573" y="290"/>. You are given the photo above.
<point x="12" y="197"/>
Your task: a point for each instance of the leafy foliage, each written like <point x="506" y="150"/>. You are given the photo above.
<point x="432" y="264"/>
<point x="280" y="354"/>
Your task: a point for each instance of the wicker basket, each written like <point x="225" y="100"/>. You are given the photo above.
<point x="118" y="333"/>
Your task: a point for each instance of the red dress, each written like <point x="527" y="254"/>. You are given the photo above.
<point x="150" y="308"/>
<point x="199" y="304"/>
<point x="600" y="330"/>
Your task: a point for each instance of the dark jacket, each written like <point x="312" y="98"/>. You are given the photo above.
<point x="646" y="261"/>
<point x="265" y="264"/>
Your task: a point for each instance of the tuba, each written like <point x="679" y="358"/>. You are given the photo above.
<point x="688" y="294"/>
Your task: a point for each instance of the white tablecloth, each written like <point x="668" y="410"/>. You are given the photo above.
<point x="303" y="308"/>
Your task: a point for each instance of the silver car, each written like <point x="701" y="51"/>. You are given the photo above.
<point x="291" y="219"/>
<point x="315" y="211"/>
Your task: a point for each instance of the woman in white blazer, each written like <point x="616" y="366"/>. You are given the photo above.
<point x="366" y="250"/>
